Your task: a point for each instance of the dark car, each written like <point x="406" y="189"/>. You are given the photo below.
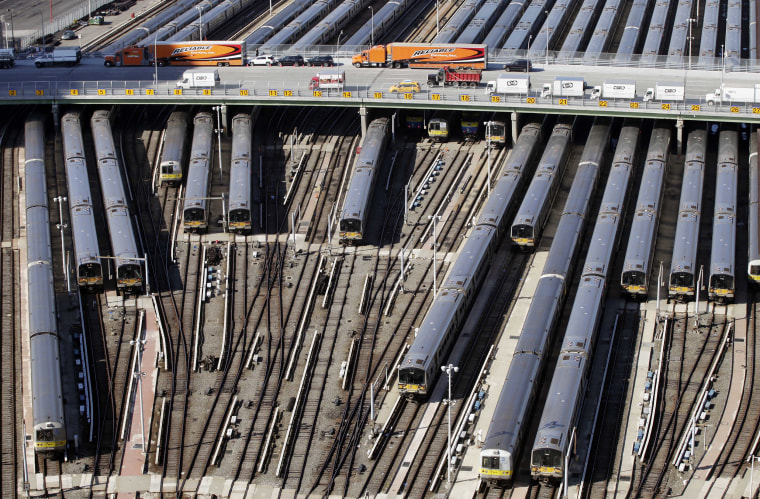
<point x="523" y="65"/>
<point x="320" y="60"/>
<point x="290" y="60"/>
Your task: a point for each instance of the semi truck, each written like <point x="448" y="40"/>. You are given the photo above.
<point x="328" y="80"/>
<point x="198" y="53"/>
<point x="460" y="77"/>
<point x="666" y="92"/>
<point x="423" y="55"/>
<point x="564" y="86"/>
<point x="615" y="89"/>
<point x="7" y="58"/>
<point x="199" y="78"/>
<point x="734" y="94"/>
<point x="62" y="56"/>
<point x="508" y="84"/>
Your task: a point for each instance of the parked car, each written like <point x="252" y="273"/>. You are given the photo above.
<point x="320" y="60"/>
<point x="290" y="60"/>
<point x="68" y="35"/>
<point x="261" y="60"/>
<point x="523" y="65"/>
<point x="405" y="86"/>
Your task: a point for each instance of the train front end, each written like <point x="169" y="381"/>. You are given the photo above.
<point x="547" y="460"/>
<point x="496" y="466"/>
<point x="412" y="380"/>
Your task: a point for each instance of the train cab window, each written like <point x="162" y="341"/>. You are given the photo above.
<point x="522" y="231"/>
<point x="411" y="376"/>
<point x="45" y="435"/>
<point x="350" y="225"/>
<point x="490" y="462"/>
<point x="633" y="278"/>
<point x="89" y="270"/>
<point x="129" y="272"/>
<point x="240" y="216"/>
<point x="167" y="168"/>
<point x="194" y="215"/>
<point x="544" y="459"/>
<point x="721" y="281"/>
<point x="754" y="269"/>
<point x="682" y="279"/>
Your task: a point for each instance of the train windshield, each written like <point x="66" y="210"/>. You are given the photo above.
<point x="522" y="231"/>
<point x="411" y="376"/>
<point x="490" y="462"/>
<point x="495" y="130"/>
<point x="45" y="435"/>
<point x="754" y="269"/>
<point x="89" y="270"/>
<point x="167" y="168"/>
<point x="194" y="215"/>
<point x="546" y="458"/>
<point x="633" y="278"/>
<point x="350" y="225"/>
<point x="682" y="279"/>
<point x="240" y="216"/>
<point x="721" y="281"/>
<point x="129" y="271"/>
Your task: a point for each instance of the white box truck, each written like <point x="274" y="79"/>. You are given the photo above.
<point x="615" y="89"/>
<point x="199" y="78"/>
<point x="328" y="80"/>
<point x="564" y="86"/>
<point x="668" y="92"/>
<point x="734" y="94"/>
<point x="66" y="56"/>
<point x="7" y="58"/>
<point x="508" y="84"/>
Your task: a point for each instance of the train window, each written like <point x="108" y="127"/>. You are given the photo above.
<point x="633" y="278"/>
<point x="682" y="279"/>
<point x="194" y="215"/>
<point x="131" y="271"/>
<point x="721" y="281"/>
<point x="350" y="225"/>
<point x="522" y="231"/>
<point x="89" y="270"/>
<point x="490" y="463"/>
<point x="411" y="376"/>
<point x="240" y="216"/>
<point x="45" y="435"/>
<point x="543" y="458"/>
<point x="754" y="269"/>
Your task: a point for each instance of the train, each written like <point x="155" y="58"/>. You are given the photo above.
<point x="174" y="151"/>
<point x="496" y="133"/>
<point x="722" y="282"/>
<point x="89" y="268"/>
<point x="753" y="246"/>
<point x="568" y="385"/>
<point x="49" y="427"/>
<point x="637" y="265"/>
<point x="127" y="259"/>
<point x="353" y="217"/>
<point x="239" y="216"/>
<point x="683" y="267"/>
<point x="421" y="365"/>
<point x="195" y="214"/>
<point x="438" y="128"/>
<point x="470" y="124"/>
<point x="506" y="431"/>
<point x="535" y="208"/>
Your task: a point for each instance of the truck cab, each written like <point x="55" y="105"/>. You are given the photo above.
<point x="129" y="56"/>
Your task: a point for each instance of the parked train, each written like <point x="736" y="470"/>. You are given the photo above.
<point x="506" y="430"/>
<point x="496" y="133"/>
<point x="129" y="275"/>
<point x="753" y="246"/>
<point x="89" y="269"/>
<point x="438" y="128"/>
<point x="174" y="150"/>
<point x="722" y="282"/>
<point x="470" y="124"/>
<point x="353" y="217"/>
<point x="49" y="432"/>
<point x="195" y="215"/>
<point x="535" y="208"/>
<point x="684" y="270"/>
<point x="568" y="386"/>
<point x="421" y="365"/>
<point x="637" y="265"/>
<point x="240" y="214"/>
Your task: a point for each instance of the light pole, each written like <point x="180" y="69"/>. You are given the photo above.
<point x="13" y="37"/>
<point x="60" y="226"/>
<point x="155" y="62"/>
<point x="219" y="136"/>
<point x="448" y="370"/>
<point x="691" y="20"/>
<point x="488" y="148"/>
<point x="338" y="44"/>
<point x="372" y="27"/>
<point x="5" y="30"/>
<point x="527" y="55"/>
<point x="42" y="30"/>
<point x="722" y="70"/>
<point x="547" y="36"/>
<point x="437" y="29"/>
<point x="434" y="218"/>
<point x="138" y="374"/>
<point x="752" y="476"/>
<point x="200" y="22"/>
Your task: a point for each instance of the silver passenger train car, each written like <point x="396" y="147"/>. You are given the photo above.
<point x="683" y="267"/>
<point x="49" y="432"/>
<point x="536" y="206"/>
<point x="129" y="276"/>
<point x="174" y="149"/>
<point x="353" y="217"/>
<point x="196" y="213"/>
<point x="421" y="365"/>
<point x="89" y="269"/>
<point x="638" y="256"/>
<point x="722" y="282"/>
<point x="753" y="246"/>
<point x="239" y="214"/>
<point x="568" y="384"/>
<point x="498" y="457"/>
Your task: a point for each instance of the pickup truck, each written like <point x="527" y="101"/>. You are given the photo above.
<point x="68" y="56"/>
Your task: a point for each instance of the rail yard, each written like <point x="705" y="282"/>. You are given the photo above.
<point x="263" y="301"/>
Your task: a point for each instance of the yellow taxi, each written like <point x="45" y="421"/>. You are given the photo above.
<point x="405" y="86"/>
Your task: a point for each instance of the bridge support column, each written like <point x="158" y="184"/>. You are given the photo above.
<point x="57" y="116"/>
<point x="363" y="117"/>
<point x="679" y="135"/>
<point x="515" y="131"/>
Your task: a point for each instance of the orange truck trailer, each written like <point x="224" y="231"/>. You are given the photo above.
<point x="198" y="53"/>
<point x="423" y="55"/>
